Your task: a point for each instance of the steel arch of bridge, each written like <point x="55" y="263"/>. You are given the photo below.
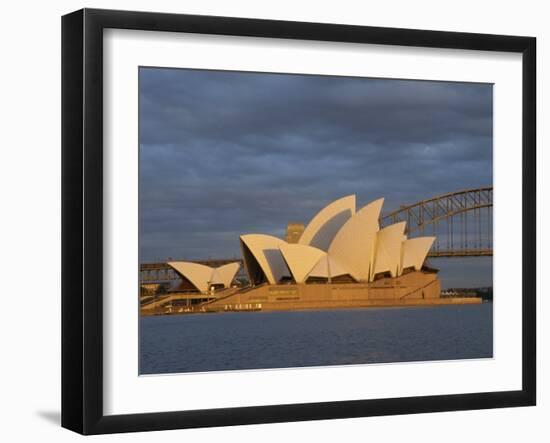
<point x="461" y="221"/>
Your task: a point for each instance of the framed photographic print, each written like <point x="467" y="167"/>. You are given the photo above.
<point x="269" y="221"/>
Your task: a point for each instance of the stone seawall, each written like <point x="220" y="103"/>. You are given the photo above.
<point x="412" y="289"/>
<point x="417" y="288"/>
<point x="288" y="306"/>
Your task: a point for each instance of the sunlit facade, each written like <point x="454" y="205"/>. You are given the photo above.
<point x="342" y="259"/>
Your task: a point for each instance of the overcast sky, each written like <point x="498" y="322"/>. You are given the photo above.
<point x="230" y="153"/>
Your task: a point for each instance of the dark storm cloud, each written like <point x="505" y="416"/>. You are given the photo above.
<point x="224" y="153"/>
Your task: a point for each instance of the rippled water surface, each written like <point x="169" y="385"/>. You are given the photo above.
<point x="254" y="340"/>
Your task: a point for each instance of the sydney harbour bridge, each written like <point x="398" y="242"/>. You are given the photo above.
<point x="461" y="221"/>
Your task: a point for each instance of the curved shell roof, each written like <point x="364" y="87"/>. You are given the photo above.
<point x="322" y="228"/>
<point x="197" y="274"/>
<point x="388" y="249"/>
<point x="202" y="276"/>
<point x="265" y="249"/>
<point x="300" y="259"/>
<point x="338" y="241"/>
<point x="327" y="267"/>
<point x="353" y="245"/>
<point x="415" y="251"/>
<point x="225" y="274"/>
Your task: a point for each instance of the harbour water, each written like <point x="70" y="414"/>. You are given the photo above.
<point x="259" y="340"/>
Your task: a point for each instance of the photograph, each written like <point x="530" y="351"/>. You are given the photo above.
<point x="301" y="220"/>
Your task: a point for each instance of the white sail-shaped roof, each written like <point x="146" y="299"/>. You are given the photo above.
<point x="327" y="267"/>
<point x="389" y="242"/>
<point x="337" y="242"/>
<point x="322" y="228"/>
<point x="199" y="275"/>
<point x="415" y="251"/>
<point x="202" y="276"/>
<point x="265" y="249"/>
<point x="300" y="259"/>
<point x="225" y="274"/>
<point x="353" y="245"/>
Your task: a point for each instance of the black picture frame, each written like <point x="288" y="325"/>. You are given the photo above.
<point x="82" y="220"/>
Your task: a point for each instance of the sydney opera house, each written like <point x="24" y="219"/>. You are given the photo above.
<point x="342" y="259"/>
